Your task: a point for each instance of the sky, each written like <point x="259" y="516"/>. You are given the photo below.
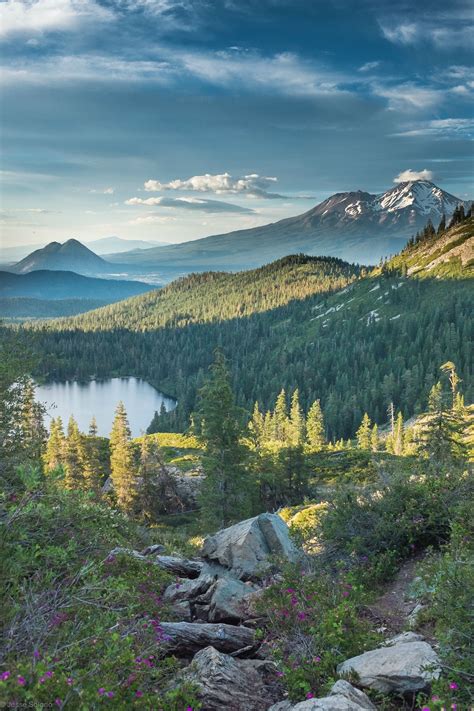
<point x="175" y="119"/>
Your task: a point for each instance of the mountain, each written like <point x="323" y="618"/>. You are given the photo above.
<point x="44" y="284"/>
<point x="357" y="339"/>
<point x="354" y="226"/>
<point x="23" y="308"/>
<point x="108" y="245"/>
<point x="70" y="256"/>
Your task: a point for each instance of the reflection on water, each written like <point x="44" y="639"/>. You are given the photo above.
<point x="100" y="398"/>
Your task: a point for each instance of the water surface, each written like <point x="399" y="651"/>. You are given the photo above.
<point x="100" y="398"/>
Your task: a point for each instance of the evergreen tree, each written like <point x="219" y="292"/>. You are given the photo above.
<point x="74" y="457"/>
<point x="364" y="432"/>
<point x="55" y="446"/>
<point x="225" y="495"/>
<point x="34" y="433"/>
<point x="374" y="439"/>
<point x="122" y="464"/>
<point x="153" y="479"/>
<point x="399" y="436"/>
<point x="441" y="435"/>
<point x="280" y="418"/>
<point x="315" y="433"/>
<point x="296" y="425"/>
<point x="442" y="224"/>
<point x="257" y="426"/>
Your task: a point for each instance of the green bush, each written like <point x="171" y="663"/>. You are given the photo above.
<point x="81" y="626"/>
<point x="313" y="625"/>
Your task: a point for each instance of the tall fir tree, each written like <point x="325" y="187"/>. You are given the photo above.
<point x="364" y="432"/>
<point x="374" y="438"/>
<point x="315" y="430"/>
<point x="441" y="432"/>
<point x="280" y="418"/>
<point x="296" y="425"/>
<point x="55" y="447"/>
<point x="74" y="457"/>
<point x="122" y="462"/>
<point x="225" y="495"/>
<point x="93" y="429"/>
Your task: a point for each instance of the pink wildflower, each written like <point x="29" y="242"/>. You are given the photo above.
<point x="21" y="680"/>
<point x="345" y="593"/>
<point x="139" y="694"/>
<point x="110" y="694"/>
<point x="101" y="691"/>
<point x="69" y="681"/>
<point x="453" y="685"/>
<point x="58" y="702"/>
<point x="301" y="615"/>
<point x="310" y="695"/>
<point x="4" y="676"/>
<point x="36" y="654"/>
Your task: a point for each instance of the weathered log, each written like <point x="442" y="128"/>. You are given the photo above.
<point x="185" y="638"/>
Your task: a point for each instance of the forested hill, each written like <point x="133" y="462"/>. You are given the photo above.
<point x="217" y="296"/>
<point x="379" y="339"/>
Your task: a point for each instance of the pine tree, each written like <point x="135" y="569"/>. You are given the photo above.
<point x="315" y="431"/>
<point x="442" y="224"/>
<point x="74" y="457"/>
<point x="257" y="426"/>
<point x="34" y="433"/>
<point x="122" y="465"/>
<point x="296" y="425"/>
<point x="225" y="495"/>
<point x="153" y="479"/>
<point x="280" y="418"/>
<point x="55" y="446"/>
<point x="374" y="439"/>
<point x="442" y="430"/>
<point x="363" y="433"/>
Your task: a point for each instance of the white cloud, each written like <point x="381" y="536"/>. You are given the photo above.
<point x="252" y="185"/>
<point x="401" y="33"/>
<point x="20" y="17"/>
<point x="189" y="203"/>
<point x="410" y="174"/>
<point x="369" y="66"/>
<point x="409" y="96"/>
<point x="442" y="128"/>
<point x="152" y="220"/>
<point x="445" y="28"/>
<point x="104" y="191"/>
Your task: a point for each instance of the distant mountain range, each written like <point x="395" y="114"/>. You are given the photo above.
<point x="355" y="226"/>
<point x="109" y="245"/>
<point x="44" y="284"/>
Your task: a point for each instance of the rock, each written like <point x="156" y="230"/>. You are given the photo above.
<point x="184" y="638"/>
<point x="342" y="697"/>
<point x="156" y="548"/>
<point x="187" y="589"/>
<point x="228" y="600"/>
<point x="181" y="609"/>
<point x="232" y="684"/>
<point x="180" y="566"/>
<point x="127" y="551"/>
<point x="403" y="638"/>
<point x="406" y="665"/>
<point x="246" y="547"/>
<point x="413" y="617"/>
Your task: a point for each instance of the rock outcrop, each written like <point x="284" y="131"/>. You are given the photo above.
<point x="342" y="697"/>
<point x="224" y="682"/>
<point x="247" y="548"/>
<point x="405" y="664"/>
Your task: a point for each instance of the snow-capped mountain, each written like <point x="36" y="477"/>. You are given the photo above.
<point x="356" y="226"/>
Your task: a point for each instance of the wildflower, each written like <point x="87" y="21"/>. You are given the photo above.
<point x="301" y="615"/>
<point x="316" y="659"/>
<point x="310" y="695"/>
<point x="4" y="676"/>
<point x="139" y="694"/>
<point x="36" y="654"/>
<point x="425" y="708"/>
<point x="42" y="679"/>
<point x="453" y="685"/>
<point x="58" y="702"/>
<point x="189" y="708"/>
<point x="101" y="691"/>
<point x="21" y="680"/>
<point x="69" y="681"/>
<point x="279" y="673"/>
<point x="110" y="694"/>
<point x="290" y="591"/>
<point x="48" y="674"/>
<point x="345" y="593"/>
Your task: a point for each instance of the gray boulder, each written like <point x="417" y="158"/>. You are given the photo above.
<point x="228" y="601"/>
<point x="342" y="697"/>
<point x="187" y="589"/>
<point x="247" y="547"/>
<point x="407" y="664"/>
<point x="232" y="684"/>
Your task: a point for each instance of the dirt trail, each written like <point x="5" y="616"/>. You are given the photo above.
<point x="392" y="609"/>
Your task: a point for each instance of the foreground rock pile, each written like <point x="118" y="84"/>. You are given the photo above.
<point x="214" y="599"/>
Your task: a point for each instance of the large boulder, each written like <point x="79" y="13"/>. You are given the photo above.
<point x="232" y="684"/>
<point x="342" y="697"/>
<point x="247" y="547"/>
<point x="405" y="664"/>
<point x="228" y="601"/>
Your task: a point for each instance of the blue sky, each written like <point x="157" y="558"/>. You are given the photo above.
<point x="171" y="120"/>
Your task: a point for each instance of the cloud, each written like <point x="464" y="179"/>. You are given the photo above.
<point x="442" y="128"/>
<point x="104" y="191"/>
<point x="152" y="220"/>
<point x="410" y="174"/>
<point x="189" y="203"/>
<point x="20" y="17"/>
<point x="252" y="185"/>
<point x="402" y="33"/>
<point x="368" y="66"/>
<point x="409" y="96"/>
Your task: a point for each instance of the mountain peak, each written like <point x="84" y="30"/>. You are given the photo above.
<point x="70" y="256"/>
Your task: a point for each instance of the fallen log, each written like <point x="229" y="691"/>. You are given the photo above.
<point x="185" y="638"/>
